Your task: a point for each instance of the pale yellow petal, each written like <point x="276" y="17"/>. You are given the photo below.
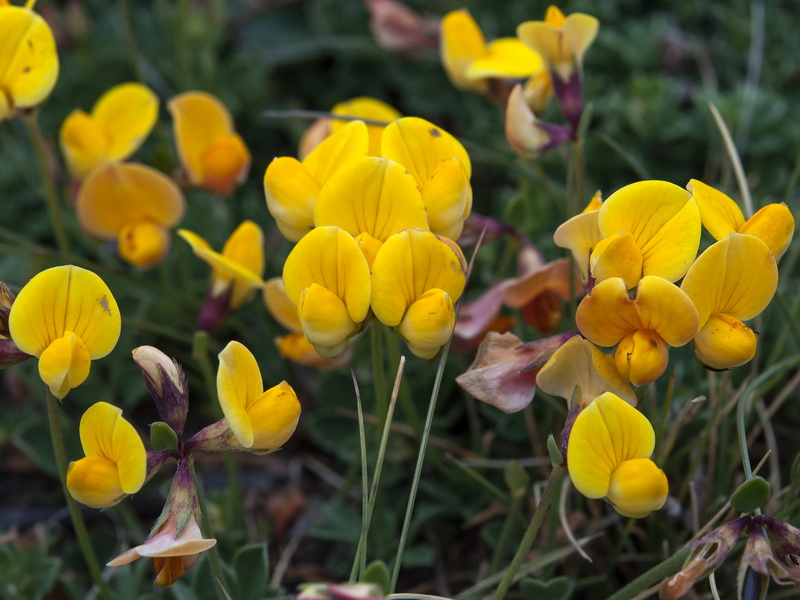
<point x="580" y="235"/>
<point x="720" y="214"/>
<point x="505" y="58"/>
<point x="282" y="309"/>
<point x="579" y="31"/>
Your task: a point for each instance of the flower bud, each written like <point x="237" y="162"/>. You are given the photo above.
<point x="167" y="385"/>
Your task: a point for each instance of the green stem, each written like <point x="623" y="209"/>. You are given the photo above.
<point x="130" y="39"/>
<point x="653" y="576"/>
<point x="50" y="192"/>
<point x="553" y="483"/>
<point x="205" y="529"/>
<point x="74" y="510"/>
<point x="505" y="534"/>
<point x="360" y="557"/>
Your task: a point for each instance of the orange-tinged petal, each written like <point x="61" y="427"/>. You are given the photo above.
<point x="372" y="195"/>
<point x="664" y="221"/>
<point x="448" y="198"/>
<point x="617" y="256"/>
<point x="325" y="320"/>
<point x="505" y="58"/>
<point x="291" y="191"/>
<point x="409" y="264"/>
<point x="595" y="203"/>
<point x="665" y="309"/>
<point x="347" y="143"/>
<point x="199" y="120"/>
<point x="28" y="59"/>
<point x="462" y="42"/>
<point x="607" y="314"/>
<point x="580" y="235"/>
<point x="725" y="342"/>
<point x="143" y="243"/>
<point x="637" y="488"/>
<point x="282" y="309"/>
<point x="225" y="164"/>
<point x="736" y="276"/>
<point x="60" y="300"/>
<point x="94" y="481"/>
<point x="553" y="16"/>
<point x="274" y="415"/>
<point x="580" y="364"/>
<point x="126" y="114"/>
<point x="330" y="257"/>
<point x="64" y="364"/>
<point x="120" y="193"/>
<point x="83" y="143"/>
<point x="420" y="146"/>
<point x="606" y="433"/>
<point x="239" y="383"/>
<point x="428" y="323"/>
<point x="642" y="357"/>
<point x="298" y="349"/>
<point x="720" y="214"/>
<point x="773" y="225"/>
<point x="366" y="108"/>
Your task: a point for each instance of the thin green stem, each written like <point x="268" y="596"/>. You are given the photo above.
<point x="50" y="192"/>
<point x="736" y="162"/>
<point x="130" y="39"/>
<point x="553" y="483"/>
<point x="205" y="528"/>
<point x="360" y="558"/>
<point x="74" y="510"/>
<point x="653" y="576"/>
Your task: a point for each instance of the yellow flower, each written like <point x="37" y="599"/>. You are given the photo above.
<point x="773" y="224"/>
<point x="470" y="62"/>
<point x="416" y="279"/>
<point x="388" y="201"/>
<point x="441" y="167"/>
<point x="213" y="155"/>
<point x="732" y="281"/>
<point x="528" y="136"/>
<point x="118" y="125"/>
<point x="662" y="315"/>
<point x="237" y="271"/>
<point x="327" y="277"/>
<point x="260" y="420"/>
<point x="579" y="366"/>
<point x="133" y="203"/>
<point x="115" y="463"/>
<point x="28" y="60"/>
<point x="581" y="234"/>
<point x="561" y="41"/>
<point x="292" y="187"/>
<point x="608" y="455"/>
<point x="66" y="317"/>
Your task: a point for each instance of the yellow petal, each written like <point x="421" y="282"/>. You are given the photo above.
<point x="28" y="59"/>
<point x="736" y="276"/>
<point x="83" y="143"/>
<point x="638" y="487"/>
<point x="274" y="416"/>
<point x="64" y="299"/>
<point x="617" y="256"/>
<point x="580" y="235"/>
<point x="553" y="16"/>
<point x="282" y="309"/>
<point x="298" y="349"/>
<point x="642" y="357"/>
<point x="130" y="456"/>
<point x="199" y="120"/>
<point x="725" y="342"/>
<point x="64" y="364"/>
<point x="366" y="108"/>
<point x="94" y="481"/>
<point x="369" y="246"/>
<point x="225" y="164"/>
<point x="545" y="39"/>
<point x="607" y="314"/>
<point x="349" y="142"/>
<point x="580" y="31"/>
<point x="666" y="309"/>
<point x="448" y="198"/>
<point x="505" y="58"/>
<point x="538" y="91"/>
<point x="664" y="221"/>
<point x="773" y="225"/>
<point x="462" y="42"/>
<point x="371" y="195"/>
<point x="606" y="433"/>
<point x="428" y="323"/>
<point x="120" y="193"/>
<point x="720" y="214"/>
<point x="239" y="383"/>
<point x="126" y="114"/>
<point x="409" y="264"/>
<point x="143" y="243"/>
<point x="595" y="203"/>
<point x="580" y="364"/>
<point x="420" y="146"/>
<point x="331" y="258"/>
<point x="291" y="191"/>
<point x="325" y="320"/>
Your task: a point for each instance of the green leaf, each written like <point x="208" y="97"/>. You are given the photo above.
<point x="378" y="573"/>
<point x="251" y="566"/>
<point x="559" y="588"/>
<point x="555" y="452"/>
<point x="163" y="437"/>
<point x="752" y="494"/>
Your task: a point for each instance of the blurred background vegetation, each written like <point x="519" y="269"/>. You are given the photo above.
<point x="648" y="78"/>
